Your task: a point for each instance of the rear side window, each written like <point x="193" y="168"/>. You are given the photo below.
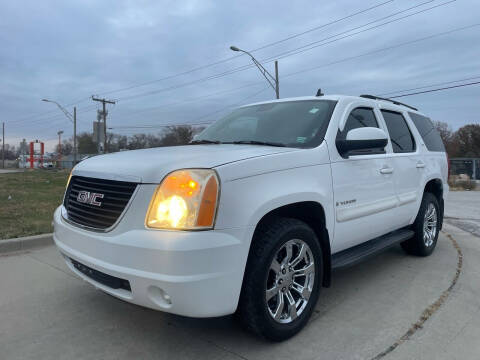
<point x="429" y="134"/>
<point x="359" y="117"/>
<point x="400" y="134"/>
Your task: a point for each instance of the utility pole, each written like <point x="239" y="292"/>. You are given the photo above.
<point x="3" y="145"/>
<point x="59" y="146"/>
<point x="74" y="135"/>
<point x="277" y="84"/>
<point x="104" y="113"/>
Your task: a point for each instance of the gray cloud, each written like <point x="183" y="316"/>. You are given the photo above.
<point x="68" y="51"/>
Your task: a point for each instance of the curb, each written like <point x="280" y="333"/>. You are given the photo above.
<point x="25" y="243"/>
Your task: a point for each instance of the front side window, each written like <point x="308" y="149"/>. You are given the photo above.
<point x="300" y="124"/>
<point x="359" y="117"/>
<point x="400" y="135"/>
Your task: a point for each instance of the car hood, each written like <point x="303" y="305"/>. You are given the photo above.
<point x="152" y="165"/>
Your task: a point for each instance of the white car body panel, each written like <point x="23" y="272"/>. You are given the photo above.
<point x="141" y="165"/>
<point x="202" y="271"/>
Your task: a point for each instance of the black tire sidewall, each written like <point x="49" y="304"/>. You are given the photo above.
<point x="268" y="327"/>
<point x="419" y="245"/>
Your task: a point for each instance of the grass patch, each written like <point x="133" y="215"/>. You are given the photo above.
<point x="27" y="201"/>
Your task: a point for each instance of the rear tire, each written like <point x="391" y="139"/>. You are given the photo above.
<point x="426" y="228"/>
<point x="282" y="279"/>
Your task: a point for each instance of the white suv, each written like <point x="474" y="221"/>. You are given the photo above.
<point x="255" y="213"/>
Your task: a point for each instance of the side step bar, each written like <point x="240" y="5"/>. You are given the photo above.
<point x="360" y="252"/>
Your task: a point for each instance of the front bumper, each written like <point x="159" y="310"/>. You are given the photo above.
<point x="197" y="274"/>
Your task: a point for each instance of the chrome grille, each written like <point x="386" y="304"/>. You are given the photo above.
<point x="116" y="195"/>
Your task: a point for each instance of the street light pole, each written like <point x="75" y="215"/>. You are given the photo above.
<point x="60" y="146"/>
<point x="74" y="135"/>
<point x="277" y="85"/>
<point x="3" y="145"/>
<point x="272" y="80"/>
<point x="73" y="119"/>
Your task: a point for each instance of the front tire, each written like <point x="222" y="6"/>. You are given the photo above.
<point x="282" y="279"/>
<point x="426" y="227"/>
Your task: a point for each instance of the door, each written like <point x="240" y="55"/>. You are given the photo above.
<point x="364" y="196"/>
<point x="408" y="166"/>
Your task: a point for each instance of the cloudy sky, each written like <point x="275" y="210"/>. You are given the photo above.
<point x="155" y="58"/>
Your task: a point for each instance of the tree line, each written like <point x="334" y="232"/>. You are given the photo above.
<point x="171" y="136"/>
<point x="465" y="142"/>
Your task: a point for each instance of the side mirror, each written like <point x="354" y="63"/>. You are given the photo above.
<point x="363" y="141"/>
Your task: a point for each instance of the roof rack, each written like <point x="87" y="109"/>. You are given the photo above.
<point x="386" y="99"/>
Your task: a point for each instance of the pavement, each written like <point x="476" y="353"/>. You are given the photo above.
<point x="463" y="210"/>
<point x="8" y="171"/>
<point x="46" y="312"/>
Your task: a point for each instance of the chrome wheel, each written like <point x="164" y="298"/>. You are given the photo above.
<point x="290" y="281"/>
<point x="430" y="225"/>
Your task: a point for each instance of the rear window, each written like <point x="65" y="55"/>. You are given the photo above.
<point x="427" y="130"/>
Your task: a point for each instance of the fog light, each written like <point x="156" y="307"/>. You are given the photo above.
<point x="167" y="298"/>
<point x="159" y="297"/>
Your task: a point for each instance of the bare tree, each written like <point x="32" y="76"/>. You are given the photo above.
<point x="85" y="143"/>
<point x="67" y="147"/>
<point x="177" y="135"/>
<point x="172" y="136"/>
<point x="446" y="134"/>
<point x="467" y="141"/>
<point x="10" y="152"/>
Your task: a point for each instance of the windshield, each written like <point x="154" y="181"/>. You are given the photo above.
<point x="293" y="123"/>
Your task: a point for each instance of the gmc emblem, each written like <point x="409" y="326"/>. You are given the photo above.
<point x="87" y="197"/>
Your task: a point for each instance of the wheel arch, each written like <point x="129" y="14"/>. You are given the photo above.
<point x="435" y="187"/>
<point x="313" y="214"/>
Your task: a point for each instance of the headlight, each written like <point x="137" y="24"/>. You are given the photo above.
<point x="185" y="200"/>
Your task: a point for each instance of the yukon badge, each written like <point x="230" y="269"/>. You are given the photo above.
<point x="87" y="197"/>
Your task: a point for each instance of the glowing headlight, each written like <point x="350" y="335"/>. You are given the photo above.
<point x="185" y="200"/>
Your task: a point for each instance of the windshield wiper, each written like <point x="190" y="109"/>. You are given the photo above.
<point x="204" y="141"/>
<point x="255" y="142"/>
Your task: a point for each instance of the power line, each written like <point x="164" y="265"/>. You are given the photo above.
<point x="83" y="99"/>
<point x="322" y="26"/>
<point x="427" y="86"/>
<point x="256" y="49"/>
<point x="193" y="99"/>
<point x="377" y="51"/>
<point x="318" y="43"/>
<point x="295" y="51"/>
<point x="433" y="90"/>
<point x="292" y="52"/>
<point x="367" y="53"/>
<point x="382" y="49"/>
<point x="154" y="126"/>
<point x="42" y="120"/>
<point x="90" y="108"/>
<point x="104" y="114"/>
<point x="392" y="97"/>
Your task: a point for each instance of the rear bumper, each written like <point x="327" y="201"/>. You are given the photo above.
<point x="197" y="274"/>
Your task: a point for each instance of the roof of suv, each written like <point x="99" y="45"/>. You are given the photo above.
<point x="401" y="107"/>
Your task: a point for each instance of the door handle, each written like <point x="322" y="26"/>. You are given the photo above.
<point x="420" y="165"/>
<point x="386" y="170"/>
